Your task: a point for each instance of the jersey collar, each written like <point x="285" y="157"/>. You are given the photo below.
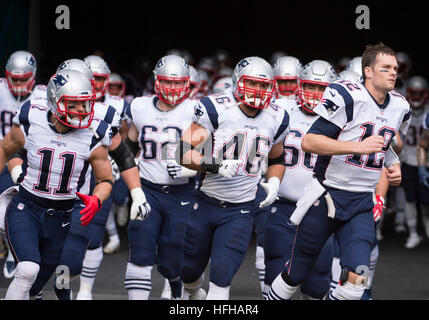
<point x="384" y="104"/>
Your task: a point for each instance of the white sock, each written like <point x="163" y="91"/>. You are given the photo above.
<point x="280" y="290"/>
<point x="111" y="224"/>
<point x="411" y="216"/>
<point x="335" y="273"/>
<point x="217" y="293"/>
<point x="26" y="274"/>
<point x="138" y="281"/>
<point x="91" y="263"/>
<point x="260" y="266"/>
<point x="348" y="291"/>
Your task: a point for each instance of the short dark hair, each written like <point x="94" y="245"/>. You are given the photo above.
<point x="370" y="54"/>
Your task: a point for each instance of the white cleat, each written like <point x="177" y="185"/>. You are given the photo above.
<point x="84" y="295"/>
<point x="122" y="215"/>
<point x="112" y="246"/>
<point x="413" y="241"/>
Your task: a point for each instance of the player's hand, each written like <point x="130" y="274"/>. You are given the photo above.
<point x="370" y="145"/>
<point x="140" y="208"/>
<point x="424" y="176"/>
<point x="92" y="205"/>
<point x="228" y="168"/>
<point x="175" y="170"/>
<point x="16" y="175"/>
<point x="377" y="211"/>
<point x="394" y="175"/>
<point x="271" y="188"/>
<point x="115" y="170"/>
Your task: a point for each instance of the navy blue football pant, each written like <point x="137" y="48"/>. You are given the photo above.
<point x="261" y="216"/>
<point x="158" y="238"/>
<point x="414" y="190"/>
<point x="5" y="180"/>
<point x="353" y="225"/>
<point x="119" y="192"/>
<point x="279" y="240"/>
<point x="218" y="231"/>
<point x="78" y="240"/>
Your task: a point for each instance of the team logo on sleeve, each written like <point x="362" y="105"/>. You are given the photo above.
<point x="330" y="106"/>
<point x="198" y="112"/>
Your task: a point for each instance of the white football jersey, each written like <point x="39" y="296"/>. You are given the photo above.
<point x="159" y="136"/>
<point x="9" y="104"/>
<point x="356" y="116"/>
<point x="411" y="140"/>
<point x="299" y="164"/>
<point x="237" y="136"/>
<point x="117" y="102"/>
<point x="57" y="163"/>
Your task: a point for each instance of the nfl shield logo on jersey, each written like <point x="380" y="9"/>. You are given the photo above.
<point x="21" y="206"/>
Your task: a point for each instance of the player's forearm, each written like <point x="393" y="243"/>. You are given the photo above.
<point x="276" y="170"/>
<point x="102" y="190"/>
<point x="323" y="145"/>
<point x="383" y="184"/>
<point x="192" y="160"/>
<point x="131" y="178"/>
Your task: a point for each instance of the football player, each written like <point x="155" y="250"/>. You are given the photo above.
<point x="279" y="234"/>
<point x="157" y="123"/>
<point x="57" y="157"/>
<point x="248" y="132"/>
<point x="17" y="87"/>
<point x="352" y="139"/>
<point x="286" y="72"/>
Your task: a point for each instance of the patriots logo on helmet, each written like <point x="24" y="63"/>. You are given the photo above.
<point x="243" y="63"/>
<point x="31" y="61"/>
<point x="160" y="63"/>
<point x="59" y="81"/>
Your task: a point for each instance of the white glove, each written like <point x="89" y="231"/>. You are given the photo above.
<point x="228" y="168"/>
<point x="271" y="188"/>
<point x="140" y="208"/>
<point x="15" y="174"/>
<point x="175" y="170"/>
<point x="115" y="170"/>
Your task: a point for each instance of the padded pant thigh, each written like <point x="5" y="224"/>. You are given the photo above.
<point x="317" y="284"/>
<point x="356" y="241"/>
<point x="230" y="243"/>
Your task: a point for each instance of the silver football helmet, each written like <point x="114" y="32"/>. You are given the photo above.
<point x="195" y="81"/>
<point x="248" y="72"/>
<point x="77" y="65"/>
<point x="349" y="76"/>
<point x="222" y="84"/>
<point x="286" y="72"/>
<point x="417" y="93"/>
<point x="172" y="79"/>
<point x="21" y="70"/>
<point x="101" y="73"/>
<point x="355" y="65"/>
<point x="116" y="85"/>
<point x="404" y="64"/>
<point x="313" y="80"/>
<point x="64" y="89"/>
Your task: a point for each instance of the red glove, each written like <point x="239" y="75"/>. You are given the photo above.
<point x="377" y="211"/>
<point x="92" y="205"/>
